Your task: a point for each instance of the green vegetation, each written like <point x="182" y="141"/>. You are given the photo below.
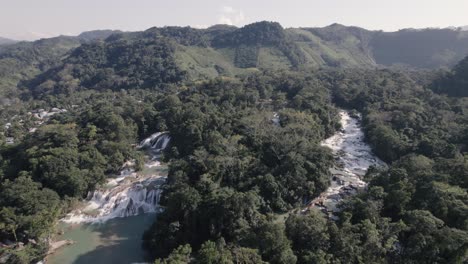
<point x="427" y="48"/>
<point x="46" y="171"/>
<point x="414" y="212"/>
<point x="454" y="83"/>
<point x="231" y="166"/>
<point x="112" y="65"/>
<point x="237" y="180"/>
<point x="208" y="53"/>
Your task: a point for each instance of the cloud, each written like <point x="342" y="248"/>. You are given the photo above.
<point x="231" y="16"/>
<point x="229" y="10"/>
<point x="203" y="26"/>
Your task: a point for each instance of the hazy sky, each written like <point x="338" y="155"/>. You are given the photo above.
<point x="33" y="19"/>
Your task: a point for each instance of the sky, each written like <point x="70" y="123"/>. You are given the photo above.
<point x="34" y="19"/>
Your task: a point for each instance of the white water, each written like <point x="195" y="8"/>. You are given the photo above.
<point x="128" y="194"/>
<point x="155" y="143"/>
<point x="353" y="158"/>
<point x="276" y="119"/>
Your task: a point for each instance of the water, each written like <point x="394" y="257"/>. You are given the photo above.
<point x="353" y="157"/>
<point x="276" y="119"/>
<point x="109" y="226"/>
<point x="133" y="195"/>
<point x="108" y="229"/>
<point x="155" y="143"/>
<point x="116" y="241"/>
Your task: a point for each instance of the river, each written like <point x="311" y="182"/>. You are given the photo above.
<point x="353" y="158"/>
<point x="117" y="240"/>
<point x="108" y="227"/>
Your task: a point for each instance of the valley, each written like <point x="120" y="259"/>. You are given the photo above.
<point x="277" y="145"/>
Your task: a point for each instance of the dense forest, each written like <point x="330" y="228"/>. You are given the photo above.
<point x="413" y="212"/>
<point x="237" y="180"/>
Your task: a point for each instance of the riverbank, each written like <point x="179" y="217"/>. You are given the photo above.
<point x="56" y="245"/>
<point x="108" y="228"/>
<point x="109" y="225"/>
<point x="117" y="240"/>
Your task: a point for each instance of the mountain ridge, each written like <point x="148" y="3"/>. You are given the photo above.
<point x="6" y="41"/>
<point x="109" y="59"/>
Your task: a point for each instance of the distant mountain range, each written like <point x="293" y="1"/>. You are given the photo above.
<point x="6" y="41"/>
<point x="109" y="59"/>
<point x="22" y="60"/>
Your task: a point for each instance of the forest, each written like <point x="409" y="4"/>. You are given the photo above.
<point x="237" y="181"/>
<point x="415" y="211"/>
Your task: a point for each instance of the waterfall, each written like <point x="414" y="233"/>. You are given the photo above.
<point x="157" y="141"/>
<point x="126" y="199"/>
<point x="353" y="157"/>
<point x="129" y="193"/>
<point x="276" y="119"/>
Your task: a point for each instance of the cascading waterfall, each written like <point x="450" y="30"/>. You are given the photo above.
<point x="129" y="193"/>
<point x="155" y="144"/>
<point x="353" y="157"/>
<point x="276" y="119"/>
<point x="157" y="141"/>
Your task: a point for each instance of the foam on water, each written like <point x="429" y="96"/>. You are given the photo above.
<point x="128" y="198"/>
<point x="156" y="143"/>
<point x="353" y="157"/>
<point x="129" y="193"/>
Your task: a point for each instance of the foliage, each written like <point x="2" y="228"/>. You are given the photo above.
<point x="231" y="165"/>
<point x="113" y="64"/>
<point x="236" y="171"/>
<point x="454" y="83"/>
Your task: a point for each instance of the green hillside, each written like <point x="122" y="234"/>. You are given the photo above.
<point x="25" y="60"/>
<point x="455" y="82"/>
<point x="157" y="57"/>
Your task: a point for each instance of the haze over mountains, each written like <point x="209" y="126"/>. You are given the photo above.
<point x="107" y="59"/>
<point x="334" y="45"/>
<point x="5" y="41"/>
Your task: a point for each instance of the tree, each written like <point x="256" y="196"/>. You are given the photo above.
<point x="214" y="253"/>
<point x="181" y="255"/>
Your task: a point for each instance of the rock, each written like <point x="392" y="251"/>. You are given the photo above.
<point x="19" y="246"/>
<point x="54" y="246"/>
<point x="4" y="258"/>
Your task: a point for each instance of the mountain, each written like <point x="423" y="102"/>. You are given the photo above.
<point x="428" y="48"/>
<point x="455" y="82"/>
<point x="6" y="41"/>
<point x="116" y="63"/>
<point x="418" y="48"/>
<point x="24" y="60"/>
<point x="153" y="58"/>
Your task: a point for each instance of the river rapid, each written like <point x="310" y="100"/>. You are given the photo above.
<point x="353" y="158"/>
